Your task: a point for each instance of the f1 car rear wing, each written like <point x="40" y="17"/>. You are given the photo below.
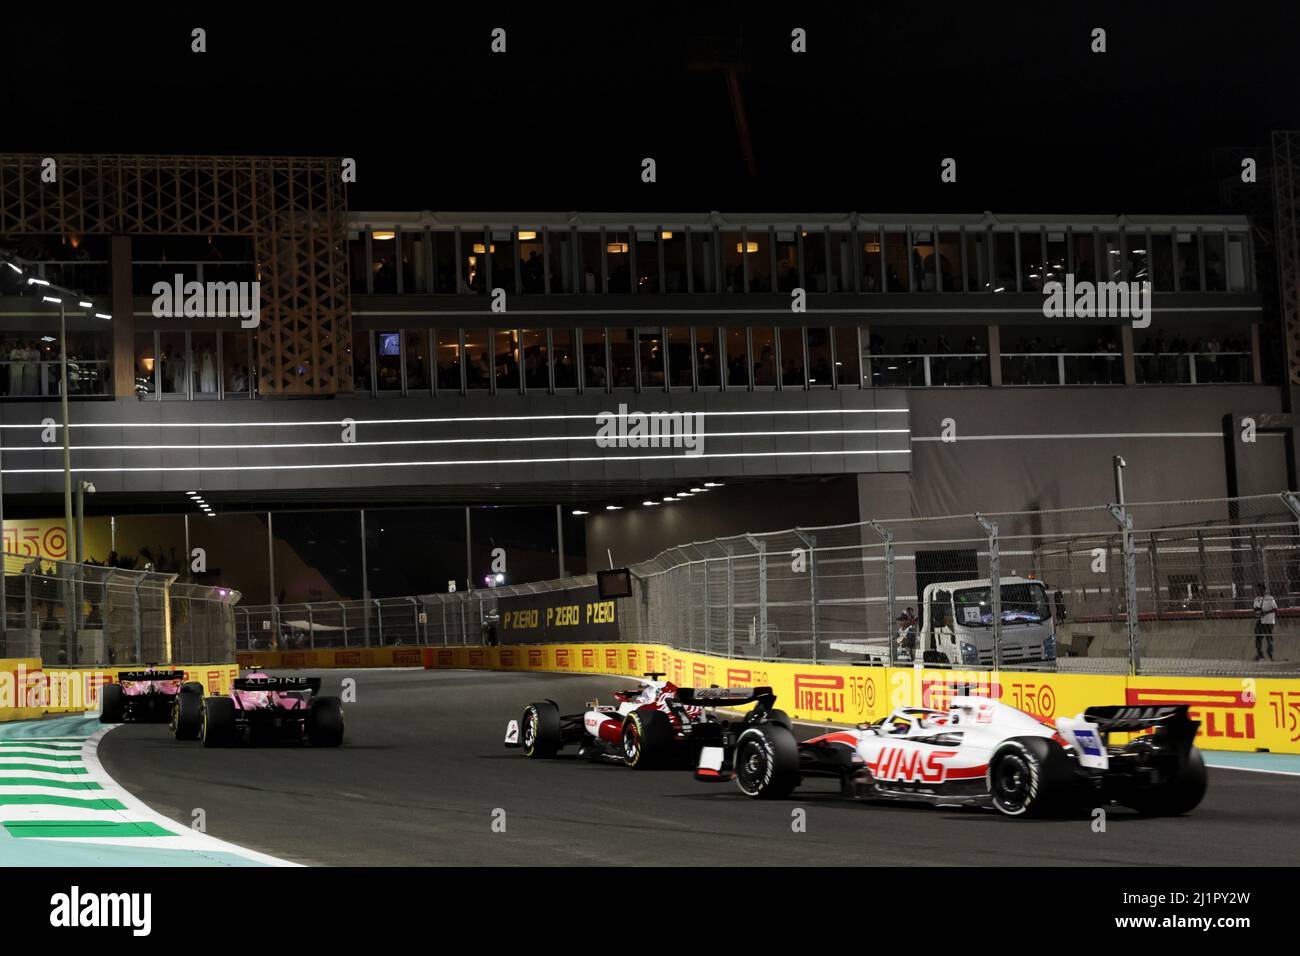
<point x="124" y="676"/>
<point x="726" y="696"/>
<point x="1172" y="718"/>
<point x="277" y="683"/>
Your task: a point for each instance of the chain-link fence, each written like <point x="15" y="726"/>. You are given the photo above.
<point x="1196" y="587"/>
<point x="81" y="615"/>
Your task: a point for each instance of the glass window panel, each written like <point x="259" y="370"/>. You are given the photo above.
<point x="737" y="359"/>
<point x="814" y="260"/>
<point x="674" y="242"/>
<point x="787" y="260"/>
<point x="707" y="367"/>
<point x="1162" y="261"/>
<point x="444" y="261"/>
<point x="532" y="259"/>
<point x="758" y="260"/>
<point x="1237" y="255"/>
<point x="1216" y="279"/>
<point x="537" y="375"/>
<point x="175" y="362"/>
<point x="679" y="357"/>
<point x="977" y="260"/>
<point x="872" y="256"/>
<point x="478" y="360"/>
<point x="1138" y="255"/>
<point x="819" y="357"/>
<point x="1111" y="267"/>
<point x="473" y="262"/>
<point x="841" y="254"/>
<point x="950" y="261"/>
<point x="415" y="271"/>
<point x="647" y="262"/>
<point x="733" y="263"/>
<point x="703" y="270"/>
<point x="622" y="357"/>
<point x="234" y="362"/>
<point x="923" y="262"/>
<point x="358" y="267"/>
<point x="792" y="363"/>
<point x="505" y="359"/>
<point x="503" y="260"/>
<point x="383" y="261"/>
<point x="1031" y="259"/>
<point x="1189" y="261"/>
<point x="589" y="263"/>
<point x="594" y="370"/>
<point x="896" y="269"/>
<point x="618" y="260"/>
<point x="652" y="358"/>
<point x="204" y="380"/>
<point x="388" y="361"/>
<point x="1004" y="261"/>
<point x="561" y="261"/>
<point x="24" y="368"/>
<point x="417" y="360"/>
<point x="448" y="358"/>
<point x="361" y="361"/>
<point x="565" y="359"/>
<point x="1057" y="260"/>
<point x="846" y="357"/>
<point x="764" y="344"/>
<point x="1085" y="255"/>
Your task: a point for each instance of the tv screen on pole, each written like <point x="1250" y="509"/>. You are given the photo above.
<point x="614" y="583"/>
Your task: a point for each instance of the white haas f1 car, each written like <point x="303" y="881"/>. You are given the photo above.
<point x="655" y="724"/>
<point x="980" y="752"/>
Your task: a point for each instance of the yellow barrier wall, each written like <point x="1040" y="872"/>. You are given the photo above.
<point x="29" y="690"/>
<point x="1245" y="714"/>
<point x="337" y="657"/>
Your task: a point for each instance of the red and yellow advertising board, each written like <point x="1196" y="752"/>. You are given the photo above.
<point x="1245" y="714"/>
<point x="27" y="689"/>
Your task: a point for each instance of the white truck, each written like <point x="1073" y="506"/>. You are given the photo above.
<point x="956" y="625"/>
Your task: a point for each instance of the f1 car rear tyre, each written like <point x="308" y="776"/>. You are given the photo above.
<point x="1182" y="794"/>
<point x="217" y="725"/>
<point x="1031" y="777"/>
<point x="540" y="730"/>
<point x="781" y="719"/>
<point x="187" y="712"/>
<point x="647" y="739"/>
<point x="766" y="762"/>
<point x="112" y="703"/>
<point x="193" y="687"/>
<point x="325" y="722"/>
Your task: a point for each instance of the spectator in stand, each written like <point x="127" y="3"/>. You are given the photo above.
<point x="1265" y="618"/>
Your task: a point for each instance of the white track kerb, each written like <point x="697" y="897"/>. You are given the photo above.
<point x="59" y="806"/>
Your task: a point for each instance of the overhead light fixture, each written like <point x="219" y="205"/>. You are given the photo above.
<point x="749" y="247"/>
<point x="669" y="499"/>
<point x="102" y="315"/>
<point x="86" y="305"/>
<point x="50" y="298"/>
<point x="47" y="338"/>
<point x="480" y="248"/>
<point x="527" y="235"/>
<point x="650" y="504"/>
<point x="696" y="491"/>
<point x="616" y="248"/>
<point x="613" y="507"/>
<point x="35" y="281"/>
<point x="684" y="494"/>
<point x="665" y="234"/>
<point x="383" y="235"/>
<point x="713" y="484"/>
<point x="14" y="267"/>
<point x="578" y="514"/>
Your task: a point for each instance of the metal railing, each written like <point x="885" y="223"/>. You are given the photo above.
<point x="1191" y="572"/>
<point x="85" y="615"/>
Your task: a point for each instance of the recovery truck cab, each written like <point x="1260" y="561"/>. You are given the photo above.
<point x="957" y="623"/>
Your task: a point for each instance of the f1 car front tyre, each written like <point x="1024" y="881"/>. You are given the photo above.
<point x="647" y="739"/>
<point x="112" y="702"/>
<point x="1031" y="777"/>
<point x="217" y="726"/>
<point x="540" y="730"/>
<point x="766" y="762"/>
<point x="325" y="722"/>
<point x="1180" y="794"/>
<point x="187" y="712"/>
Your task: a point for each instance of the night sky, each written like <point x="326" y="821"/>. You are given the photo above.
<point x="1037" y="123"/>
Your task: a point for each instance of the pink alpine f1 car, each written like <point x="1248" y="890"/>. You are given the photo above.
<point x="143" y="696"/>
<point x="262" y="709"/>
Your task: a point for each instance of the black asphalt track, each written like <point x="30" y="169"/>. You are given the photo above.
<point x="422" y="773"/>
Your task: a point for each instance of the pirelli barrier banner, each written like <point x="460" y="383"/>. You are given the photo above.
<point x="575" y="616"/>
<point x="27" y="689"/>
<point x="334" y="657"/>
<point x="1246" y="714"/>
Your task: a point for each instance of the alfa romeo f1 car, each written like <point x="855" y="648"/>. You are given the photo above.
<point x="655" y="724"/>
<point x="981" y="752"/>
<point x="264" y="710"/>
<point x="143" y="695"/>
